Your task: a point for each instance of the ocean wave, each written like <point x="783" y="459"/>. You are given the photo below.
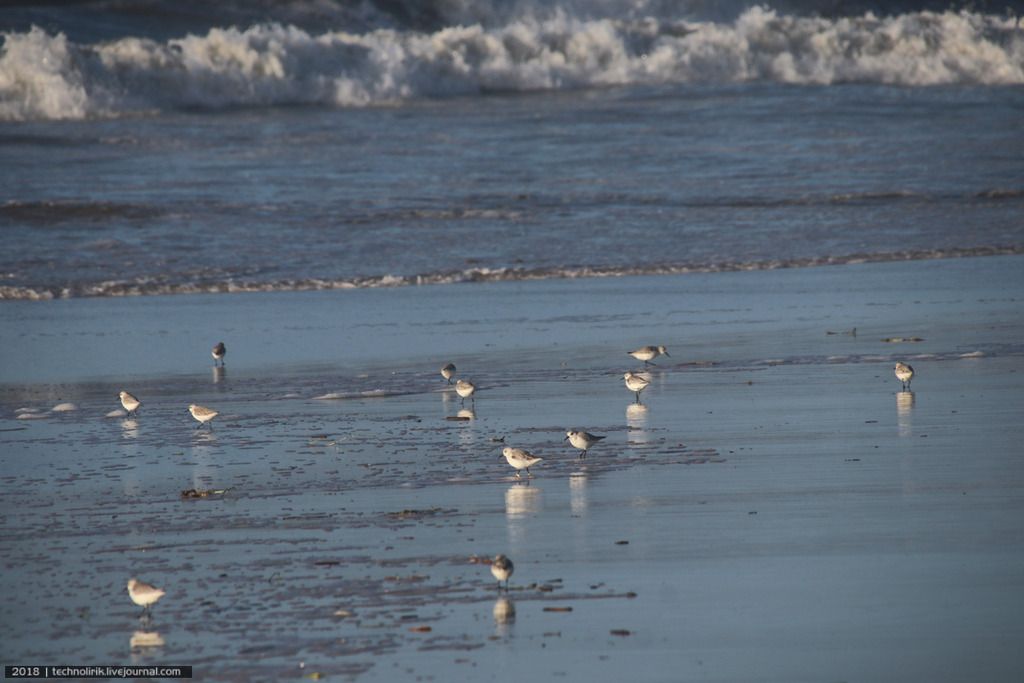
<point x="45" y="212"/>
<point x="47" y="76"/>
<point x="164" y="286"/>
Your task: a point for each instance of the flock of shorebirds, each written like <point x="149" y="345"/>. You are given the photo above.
<point x="146" y="595"/>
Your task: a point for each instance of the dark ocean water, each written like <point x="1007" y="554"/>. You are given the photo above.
<point x="164" y="150"/>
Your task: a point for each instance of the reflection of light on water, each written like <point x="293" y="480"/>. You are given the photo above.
<point x="636" y="419"/>
<point x="141" y="641"/>
<point x="904" y="410"/>
<point x="202" y="453"/>
<point x="578" y="492"/>
<point x="129" y="429"/>
<point x="130" y="484"/>
<point x="467" y="435"/>
<point x="202" y="438"/>
<point x="504" y="615"/>
<point x="521" y="500"/>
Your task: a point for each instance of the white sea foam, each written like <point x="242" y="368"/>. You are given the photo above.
<point x="44" y="76"/>
<point x="160" y="286"/>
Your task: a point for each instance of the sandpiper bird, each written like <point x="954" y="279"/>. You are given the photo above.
<point x="448" y="372"/>
<point x="648" y="353"/>
<point x="143" y="594"/>
<point x="202" y="414"/>
<point x="581" y="440"/>
<point x="130" y="403"/>
<point x="464" y="388"/>
<point x="636" y="383"/>
<point x="502" y="568"/>
<point x="218" y="353"/>
<point x="520" y="459"/>
<point x="904" y="373"/>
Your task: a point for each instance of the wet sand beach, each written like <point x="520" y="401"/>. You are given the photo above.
<point x="776" y="508"/>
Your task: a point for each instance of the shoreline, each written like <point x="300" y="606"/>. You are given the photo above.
<point x="776" y="510"/>
<point x="119" y="289"/>
<point x="712" y="315"/>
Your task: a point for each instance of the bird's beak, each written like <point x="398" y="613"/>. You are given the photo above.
<point x="566" y="438"/>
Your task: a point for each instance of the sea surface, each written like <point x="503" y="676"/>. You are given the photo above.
<point x="160" y="148"/>
<point x="528" y="190"/>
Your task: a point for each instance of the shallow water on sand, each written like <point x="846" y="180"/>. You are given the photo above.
<point x="775" y="509"/>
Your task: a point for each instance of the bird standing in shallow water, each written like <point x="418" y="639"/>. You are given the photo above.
<point x="143" y="594"/>
<point x="204" y="415"/>
<point x="465" y="389"/>
<point x="648" y="353"/>
<point x="520" y="459"/>
<point x="904" y="373"/>
<point x="636" y="383"/>
<point x="502" y="568"/>
<point x="581" y="440"/>
<point x="218" y="353"/>
<point x="130" y="403"/>
<point x="448" y="372"/>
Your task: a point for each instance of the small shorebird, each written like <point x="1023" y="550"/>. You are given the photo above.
<point x="218" y="353"/>
<point x="502" y="568"/>
<point x="636" y="383"/>
<point x="648" y="353"/>
<point x="130" y="403"/>
<point x="448" y="372"/>
<point x="202" y="414"/>
<point x="904" y="373"/>
<point x="465" y="389"/>
<point x="520" y="459"/>
<point x="581" y="440"/>
<point x="143" y="594"/>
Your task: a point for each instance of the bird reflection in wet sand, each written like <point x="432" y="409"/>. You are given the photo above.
<point x="521" y="499"/>
<point x="636" y="421"/>
<point x="144" y="639"/>
<point x="578" y="493"/>
<point x="129" y="429"/>
<point x="904" y="410"/>
<point x="504" y="615"/>
<point x="219" y="373"/>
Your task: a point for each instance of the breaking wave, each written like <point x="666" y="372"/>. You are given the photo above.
<point x="163" y="286"/>
<point x="46" y="75"/>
